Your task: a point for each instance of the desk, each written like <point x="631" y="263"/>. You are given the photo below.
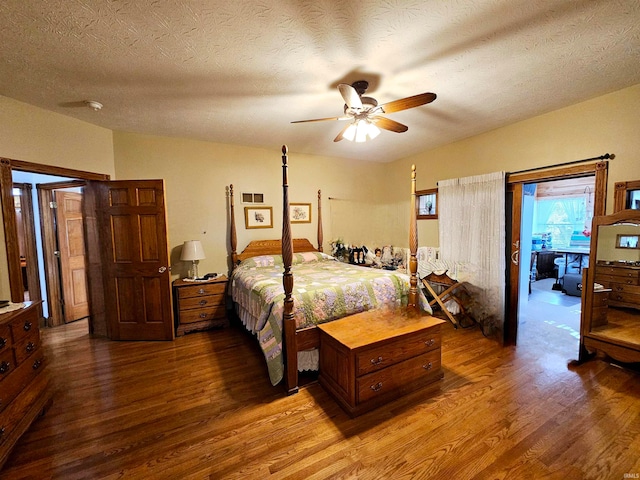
<point x="577" y="252"/>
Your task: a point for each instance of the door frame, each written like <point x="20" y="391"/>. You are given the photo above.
<point x="515" y="181"/>
<point x="7" y="165"/>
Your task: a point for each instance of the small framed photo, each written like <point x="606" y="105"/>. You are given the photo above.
<point x="627" y="241"/>
<point x="300" y="212"/>
<point x="427" y="203"/>
<point x="258" y="217"/>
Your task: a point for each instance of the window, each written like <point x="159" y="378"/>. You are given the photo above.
<point x="427" y="203"/>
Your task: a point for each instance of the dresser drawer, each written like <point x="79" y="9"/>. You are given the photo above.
<point x="202" y="290"/>
<point x="7" y="364"/>
<point x="399" y="375"/>
<point x="27" y="345"/>
<point x="25" y="324"/>
<point x="5" y="338"/>
<point x="203" y="314"/>
<point x="407" y="346"/>
<point x="20" y="377"/>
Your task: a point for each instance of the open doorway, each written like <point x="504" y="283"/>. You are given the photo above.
<point x="51" y="240"/>
<point x="555" y="243"/>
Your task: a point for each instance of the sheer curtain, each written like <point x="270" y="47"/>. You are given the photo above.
<point x="472" y="231"/>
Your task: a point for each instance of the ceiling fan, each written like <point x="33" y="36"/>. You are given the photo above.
<point x="366" y="114"/>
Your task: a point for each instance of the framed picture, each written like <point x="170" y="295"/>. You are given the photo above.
<point x="627" y="241"/>
<point x="427" y="203"/>
<point x="258" y="217"/>
<point x="252" y="198"/>
<point x="300" y="212"/>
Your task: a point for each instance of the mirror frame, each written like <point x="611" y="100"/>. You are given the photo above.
<point x="626" y="215"/>
<point x="620" y="194"/>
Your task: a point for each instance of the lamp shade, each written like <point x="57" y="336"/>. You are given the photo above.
<point x="192" y="250"/>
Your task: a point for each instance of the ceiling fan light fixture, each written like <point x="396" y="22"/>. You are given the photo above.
<point x="361" y="131"/>
<point x="350" y="132"/>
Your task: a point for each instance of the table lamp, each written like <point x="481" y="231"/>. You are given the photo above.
<point x="192" y="251"/>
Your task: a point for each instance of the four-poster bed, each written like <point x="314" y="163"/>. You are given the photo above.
<point x="284" y="319"/>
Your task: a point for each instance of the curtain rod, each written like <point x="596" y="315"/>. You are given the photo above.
<point x="606" y="156"/>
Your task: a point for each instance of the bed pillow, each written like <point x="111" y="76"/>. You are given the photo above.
<point x="276" y="260"/>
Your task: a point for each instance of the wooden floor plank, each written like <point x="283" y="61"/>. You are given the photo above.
<point x="202" y="407"/>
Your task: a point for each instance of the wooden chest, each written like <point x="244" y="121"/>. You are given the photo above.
<point x="24" y="383"/>
<point x="200" y="305"/>
<point x="376" y="356"/>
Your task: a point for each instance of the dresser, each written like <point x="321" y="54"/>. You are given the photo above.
<point x="25" y="389"/>
<point x="623" y="281"/>
<point x="200" y="305"/>
<point x="374" y="357"/>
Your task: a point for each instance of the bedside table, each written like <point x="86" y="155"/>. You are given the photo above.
<point x="200" y="305"/>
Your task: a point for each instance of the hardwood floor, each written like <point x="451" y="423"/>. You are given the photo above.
<point x="202" y="407"/>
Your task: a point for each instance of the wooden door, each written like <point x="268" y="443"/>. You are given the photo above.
<point x="71" y="248"/>
<point x="129" y="284"/>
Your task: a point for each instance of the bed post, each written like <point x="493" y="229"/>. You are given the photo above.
<point x="232" y="232"/>
<point x="288" y="320"/>
<point x="320" y="239"/>
<point x="413" y="246"/>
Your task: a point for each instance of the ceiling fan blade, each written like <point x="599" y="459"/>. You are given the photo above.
<point x="340" y="135"/>
<point x="409" y="102"/>
<point x="350" y="95"/>
<point x="321" y="119"/>
<point x="389" y="124"/>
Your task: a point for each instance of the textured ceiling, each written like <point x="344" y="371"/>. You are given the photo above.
<point x="239" y="72"/>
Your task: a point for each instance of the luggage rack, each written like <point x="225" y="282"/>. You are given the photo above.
<point x="442" y="288"/>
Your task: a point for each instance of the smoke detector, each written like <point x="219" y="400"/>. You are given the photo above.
<point x="93" y="104"/>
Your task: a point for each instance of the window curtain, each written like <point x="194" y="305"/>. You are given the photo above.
<point x="472" y="231"/>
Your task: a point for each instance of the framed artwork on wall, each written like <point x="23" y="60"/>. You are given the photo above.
<point x="427" y="203"/>
<point x="258" y="217"/>
<point x="300" y="212"/>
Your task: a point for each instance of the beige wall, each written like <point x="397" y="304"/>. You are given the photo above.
<point x="197" y="175"/>
<point x="35" y="135"/>
<point x="607" y="124"/>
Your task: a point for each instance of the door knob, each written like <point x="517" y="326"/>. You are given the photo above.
<point x="162" y="269"/>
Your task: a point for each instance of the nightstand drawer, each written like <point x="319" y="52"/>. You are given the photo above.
<point x="201" y="302"/>
<point x="199" y="290"/>
<point x="202" y="314"/>
<point x="26" y="346"/>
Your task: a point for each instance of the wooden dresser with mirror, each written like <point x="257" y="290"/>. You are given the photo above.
<point x="610" y="321"/>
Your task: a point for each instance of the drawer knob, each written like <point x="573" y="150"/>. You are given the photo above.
<point x="201" y="291"/>
<point x="4" y="367"/>
<point x="27" y="326"/>
<point x="30" y="347"/>
<point x="376" y="361"/>
<point x="203" y="315"/>
<point x="430" y="342"/>
<point x="3" y="342"/>
<point x="203" y="303"/>
<point x="428" y="366"/>
<point x="376" y="387"/>
<point x="36" y="364"/>
<point x="2" y="430"/>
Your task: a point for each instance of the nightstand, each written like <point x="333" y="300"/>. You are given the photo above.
<point x="200" y="305"/>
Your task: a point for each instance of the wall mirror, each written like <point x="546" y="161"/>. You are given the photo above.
<point x="610" y="321"/>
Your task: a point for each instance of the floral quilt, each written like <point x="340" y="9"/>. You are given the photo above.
<point x="324" y="290"/>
